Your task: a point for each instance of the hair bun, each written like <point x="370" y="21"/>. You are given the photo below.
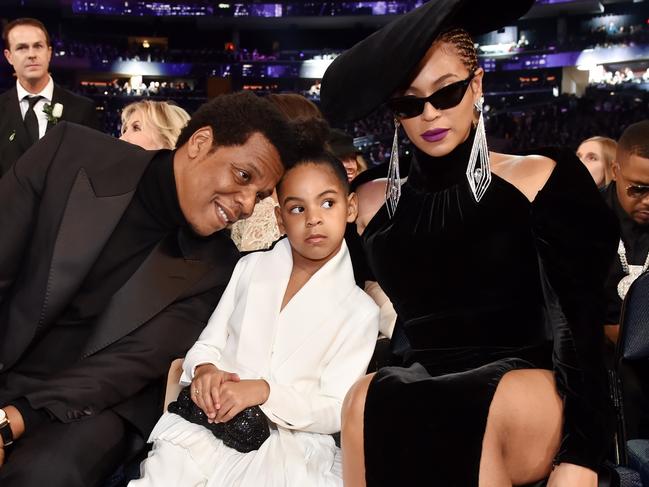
<point x="311" y="135"/>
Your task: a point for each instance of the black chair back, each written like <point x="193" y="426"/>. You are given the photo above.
<point x="633" y="341"/>
<point x="630" y="379"/>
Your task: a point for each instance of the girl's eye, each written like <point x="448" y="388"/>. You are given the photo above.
<point x="244" y="175"/>
<point x="296" y="209"/>
<point x="327" y="204"/>
<point x="136" y="128"/>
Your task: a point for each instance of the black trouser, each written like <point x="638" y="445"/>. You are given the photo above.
<point x="80" y="454"/>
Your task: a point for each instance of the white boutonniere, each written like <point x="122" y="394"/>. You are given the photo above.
<point x="12" y="136"/>
<point x="53" y="112"/>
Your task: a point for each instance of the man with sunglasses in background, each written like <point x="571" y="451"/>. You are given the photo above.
<point x="628" y="197"/>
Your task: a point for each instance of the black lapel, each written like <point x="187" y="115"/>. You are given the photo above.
<point x="159" y="281"/>
<point x="16" y="121"/>
<point x="88" y="221"/>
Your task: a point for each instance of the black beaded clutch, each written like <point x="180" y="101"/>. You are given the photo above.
<point x="246" y="432"/>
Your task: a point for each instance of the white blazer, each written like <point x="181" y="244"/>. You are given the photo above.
<point x="310" y="353"/>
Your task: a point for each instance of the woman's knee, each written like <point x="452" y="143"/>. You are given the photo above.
<point x="526" y="402"/>
<point x="353" y="407"/>
<point x="525" y="422"/>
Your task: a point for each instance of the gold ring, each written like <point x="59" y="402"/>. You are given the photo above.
<point x="197" y="392"/>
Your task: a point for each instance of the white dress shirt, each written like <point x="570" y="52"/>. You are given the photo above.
<point x="47" y="94"/>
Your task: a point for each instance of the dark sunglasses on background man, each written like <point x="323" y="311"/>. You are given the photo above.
<point x="448" y="97"/>
<point x="637" y="190"/>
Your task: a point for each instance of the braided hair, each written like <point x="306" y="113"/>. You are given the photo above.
<point x="463" y="44"/>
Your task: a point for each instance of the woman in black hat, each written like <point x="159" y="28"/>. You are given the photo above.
<point x="495" y="265"/>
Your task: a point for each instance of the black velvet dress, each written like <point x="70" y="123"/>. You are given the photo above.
<point x="482" y="289"/>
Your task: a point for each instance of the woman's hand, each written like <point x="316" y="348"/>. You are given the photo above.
<point x="206" y="388"/>
<point x="237" y="396"/>
<point x="570" y="475"/>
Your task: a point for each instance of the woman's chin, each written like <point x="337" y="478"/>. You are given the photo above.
<point x="437" y="149"/>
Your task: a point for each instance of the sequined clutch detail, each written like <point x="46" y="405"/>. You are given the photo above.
<point x="246" y="432"/>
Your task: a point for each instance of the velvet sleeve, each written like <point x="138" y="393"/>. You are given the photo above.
<point x="576" y="236"/>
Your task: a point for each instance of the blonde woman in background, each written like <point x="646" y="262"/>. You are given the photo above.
<point x="153" y="125"/>
<point x="597" y="154"/>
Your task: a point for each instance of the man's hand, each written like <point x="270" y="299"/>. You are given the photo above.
<point x="17" y="427"/>
<point x="237" y="396"/>
<point x="16" y="421"/>
<point x="612" y="332"/>
<point x="206" y="388"/>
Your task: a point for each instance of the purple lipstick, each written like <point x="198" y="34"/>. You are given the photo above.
<point x="434" y="135"/>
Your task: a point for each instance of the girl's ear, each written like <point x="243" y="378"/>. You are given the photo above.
<point x="280" y="221"/>
<point x="352" y="207"/>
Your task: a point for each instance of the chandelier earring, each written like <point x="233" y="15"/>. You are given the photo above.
<point x="478" y="171"/>
<point x="393" y="188"/>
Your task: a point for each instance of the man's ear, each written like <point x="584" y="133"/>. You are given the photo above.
<point x="616" y="168"/>
<point x="200" y="142"/>
<point x="352" y="207"/>
<point x="8" y="56"/>
<point x="280" y="221"/>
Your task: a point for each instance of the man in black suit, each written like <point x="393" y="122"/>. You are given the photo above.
<point x="628" y="197"/>
<point x="36" y="103"/>
<point x="111" y="262"/>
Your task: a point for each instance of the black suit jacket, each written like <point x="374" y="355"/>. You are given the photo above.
<point x="14" y="140"/>
<point x="59" y="205"/>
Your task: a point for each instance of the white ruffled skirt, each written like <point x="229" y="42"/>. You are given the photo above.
<point x="188" y="455"/>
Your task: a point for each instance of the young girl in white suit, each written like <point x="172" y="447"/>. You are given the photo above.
<point x="291" y="334"/>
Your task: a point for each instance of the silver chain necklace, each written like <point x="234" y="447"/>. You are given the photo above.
<point x="632" y="271"/>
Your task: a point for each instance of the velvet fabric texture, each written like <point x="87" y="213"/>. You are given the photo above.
<point x="482" y="289"/>
<point x="366" y="75"/>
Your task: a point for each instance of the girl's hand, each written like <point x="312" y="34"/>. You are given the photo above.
<point x="206" y="388"/>
<point x="237" y="396"/>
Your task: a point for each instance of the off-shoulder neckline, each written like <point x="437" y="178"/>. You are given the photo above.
<point x="518" y="194"/>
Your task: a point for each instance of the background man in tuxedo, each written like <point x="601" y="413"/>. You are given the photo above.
<point x="112" y="263"/>
<point x="23" y="120"/>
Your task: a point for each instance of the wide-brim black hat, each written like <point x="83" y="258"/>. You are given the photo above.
<point x="366" y="75"/>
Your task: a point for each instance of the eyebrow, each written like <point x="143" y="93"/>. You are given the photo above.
<point x="634" y="182"/>
<point x="444" y="78"/>
<point x="299" y="200"/>
<point x="436" y="82"/>
<point x="26" y="44"/>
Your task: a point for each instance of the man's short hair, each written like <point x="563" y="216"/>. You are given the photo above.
<point x="24" y="21"/>
<point x="634" y="141"/>
<point x="235" y="117"/>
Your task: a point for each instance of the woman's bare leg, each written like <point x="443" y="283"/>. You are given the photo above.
<point x="523" y="429"/>
<point x="351" y="439"/>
